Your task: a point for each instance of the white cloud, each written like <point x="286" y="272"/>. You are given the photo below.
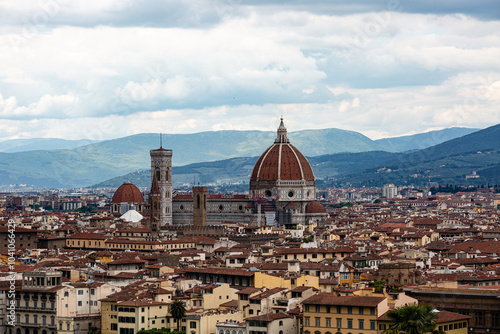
<point x="231" y="65"/>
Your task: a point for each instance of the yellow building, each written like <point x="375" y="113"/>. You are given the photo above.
<point x="204" y="321"/>
<point x="86" y="241"/>
<point x="447" y="322"/>
<point x="136" y="315"/>
<point x="262" y="280"/>
<point x="326" y="313"/>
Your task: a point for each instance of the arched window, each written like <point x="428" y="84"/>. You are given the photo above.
<point x="158" y="175"/>
<point x="281" y="322"/>
<point x="198" y="201"/>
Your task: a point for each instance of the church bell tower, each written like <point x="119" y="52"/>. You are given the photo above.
<point x="161" y="169"/>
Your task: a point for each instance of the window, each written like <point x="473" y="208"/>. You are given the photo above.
<point x="480" y="318"/>
<point x="317" y="309"/>
<point x="80" y="303"/>
<point x="349" y="323"/>
<point x="92" y="291"/>
<point x="339" y="309"/>
<point x="339" y="323"/>
<point x="349" y="310"/>
<point x="360" y="310"/>
<point x="328" y="322"/>
<point x="328" y="309"/>
<point x="306" y="321"/>
<point x="317" y="322"/>
<point x="372" y="325"/>
<point x="361" y="324"/>
<point x="80" y="292"/>
<point x="142" y="319"/>
<point x="192" y="324"/>
<point x="372" y="310"/>
<point x="307" y="308"/>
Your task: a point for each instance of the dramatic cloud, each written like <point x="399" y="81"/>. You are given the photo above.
<point x="104" y="69"/>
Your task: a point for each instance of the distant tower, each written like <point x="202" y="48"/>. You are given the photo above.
<point x="200" y="206"/>
<point x="155" y="204"/>
<point x="161" y="168"/>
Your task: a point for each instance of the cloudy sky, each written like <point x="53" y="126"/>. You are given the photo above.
<point x="101" y="69"/>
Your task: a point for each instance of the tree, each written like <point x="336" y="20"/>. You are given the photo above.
<point x="412" y="319"/>
<point x="178" y="311"/>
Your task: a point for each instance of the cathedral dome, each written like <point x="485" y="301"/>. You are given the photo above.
<point x="127" y="193"/>
<point x="282" y="162"/>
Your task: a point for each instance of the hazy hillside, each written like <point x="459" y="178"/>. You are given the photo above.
<point x="238" y="170"/>
<point x="34" y="144"/>
<point x="422" y="140"/>
<point x="94" y="163"/>
<point x="448" y="162"/>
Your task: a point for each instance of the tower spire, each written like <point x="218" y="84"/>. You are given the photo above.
<point x="161" y="137"/>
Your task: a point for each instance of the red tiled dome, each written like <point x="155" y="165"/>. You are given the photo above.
<point x="315" y="207"/>
<point x="291" y="164"/>
<point x="127" y="193"/>
<point x="282" y="161"/>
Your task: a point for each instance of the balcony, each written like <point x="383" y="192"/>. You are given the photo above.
<point x="36" y="309"/>
<point x="37" y="325"/>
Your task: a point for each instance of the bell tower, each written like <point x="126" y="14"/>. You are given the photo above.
<point x="154" y="201"/>
<point x="200" y="195"/>
<point x="161" y="169"/>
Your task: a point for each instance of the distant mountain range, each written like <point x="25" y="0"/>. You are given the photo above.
<point x="448" y="162"/>
<point x="35" y="144"/>
<point x="220" y="156"/>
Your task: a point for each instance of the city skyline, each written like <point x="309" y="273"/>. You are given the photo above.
<point x="102" y="70"/>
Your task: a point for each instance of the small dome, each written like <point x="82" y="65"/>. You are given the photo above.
<point x="132" y="216"/>
<point x="315" y="207"/>
<point x="127" y="193"/>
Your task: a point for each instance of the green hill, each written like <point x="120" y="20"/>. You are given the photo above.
<point x="422" y="140"/>
<point x="448" y="162"/>
<point x="94" y="163"/>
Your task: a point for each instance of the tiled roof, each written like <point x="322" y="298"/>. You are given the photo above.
<point x="331" y="299"/>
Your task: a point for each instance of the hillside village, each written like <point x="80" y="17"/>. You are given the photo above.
<point x="78" y="272"/>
